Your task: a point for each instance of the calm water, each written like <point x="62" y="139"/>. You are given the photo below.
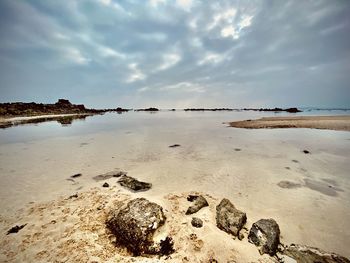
<point x="242" y="165"/>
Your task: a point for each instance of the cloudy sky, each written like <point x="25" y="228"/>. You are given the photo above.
<point x="176" y="53"/>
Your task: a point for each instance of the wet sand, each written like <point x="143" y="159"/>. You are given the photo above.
<point x="245" y="166"/>
<point x="339" y="123"/>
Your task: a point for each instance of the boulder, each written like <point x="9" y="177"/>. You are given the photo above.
<point x="229" y="218"/>
<point x="306" y="254"/>
<point x="197" y="222"/>
<point x="134" y="184"/>
<point x="199" y="203"/>
<point x="265" y="234"/>
<point x="135" y="225"/>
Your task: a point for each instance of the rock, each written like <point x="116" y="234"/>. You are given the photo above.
<point x="306" y="254"/>
<point x="135" y="225"/>
<point x="265" y="234"/>
<point x="228" y="218"/>
<point x="199" y="203"/>
<point x="73" y="196"/>
<point x="134" y="184"/>
<point x="306" y="151"/>
<point x="105" y="185"/>
<point x="174" y="145"/>
<point x="197" y="222"/>
<point x="76" y="175"/>
<point x="15" y="229"/>
<point x="102" y="177"/>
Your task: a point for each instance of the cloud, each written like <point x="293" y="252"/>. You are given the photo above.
<point x="169" y="60"/>
<point x="136" y="73"/>
<point x="224" y="53"/>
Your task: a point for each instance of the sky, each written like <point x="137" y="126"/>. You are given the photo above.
<point x="176" y="53"/>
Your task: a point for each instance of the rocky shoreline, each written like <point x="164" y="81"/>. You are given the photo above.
<point x="111" y="223"/>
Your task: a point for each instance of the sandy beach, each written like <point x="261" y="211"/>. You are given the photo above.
<point x="307" y="194"/>
<point x="338" y="123"/>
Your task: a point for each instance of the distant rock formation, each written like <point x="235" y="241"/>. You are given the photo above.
<point x="62" y="106"/>
<point x="148" y="109"/>
<point x="290" y="110"/>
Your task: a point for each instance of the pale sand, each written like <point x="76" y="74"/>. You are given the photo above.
<point x="340" y="123"/>
<point x="207" y="162"/>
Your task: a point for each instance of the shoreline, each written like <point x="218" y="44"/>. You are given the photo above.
<point x="336" y="123"/>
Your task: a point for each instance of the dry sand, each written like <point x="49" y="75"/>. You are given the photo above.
<point x="339" y="123"/>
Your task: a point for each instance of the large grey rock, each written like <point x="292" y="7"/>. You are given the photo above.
<point x="229" y="218"/>
<point x="306" y="254"/>
<point x="265" y="234"/>
<point x="134" y="227"/>
<point x="134" y="184"/>
<point x="199" y="203"/>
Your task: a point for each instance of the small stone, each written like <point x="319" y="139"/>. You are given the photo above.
<point x="306" y="152"/>
<point x="105" y="185"/>
<point x="197" y="222"/>
<point x="199" y="203"/>
<point x="15" y="229"/>
<point x="174" y="145"/>
<point x="76" y="175"/>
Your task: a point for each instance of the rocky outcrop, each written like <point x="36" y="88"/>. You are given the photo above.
<point x="229" y="218"/>
<point x="134" y="184"/>
<point x="199" y="203"/>
<point x="134" y="227"/>
<point x="306" y="254"/>
<point x="265" y="234"/>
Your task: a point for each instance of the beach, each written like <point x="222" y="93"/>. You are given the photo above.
<point x="265" y="173"/>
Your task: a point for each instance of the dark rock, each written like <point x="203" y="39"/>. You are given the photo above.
<point x="134" y="227"/>
<point x="292" y="110"/>
<point x="197" y="222"/>
<point x="134" y="184"/>
<point x="199" y="203"/>
<point x="229" y="218"/>
<point x="103" y="177"/>
<point x="148" y="109"/>
<point x="306" y="254"/>
<point x="73" y="196"/>
<point x="15" y="229"/>
<point x="105" y="185"/>
<point x="174" y="145"/>
<point x="166" y="247"/>
<point x="306" y="151"/>
<point x="191" y="198"/>
<point x="265" y="234"/>
<point x="76" y="175"/>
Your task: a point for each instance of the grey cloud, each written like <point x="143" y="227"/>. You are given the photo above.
<point x="104" y="53"/>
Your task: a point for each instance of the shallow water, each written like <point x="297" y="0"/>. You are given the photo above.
<point x="245" y="166"/>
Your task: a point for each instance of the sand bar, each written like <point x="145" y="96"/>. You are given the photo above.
<point x="339" y="123"/>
